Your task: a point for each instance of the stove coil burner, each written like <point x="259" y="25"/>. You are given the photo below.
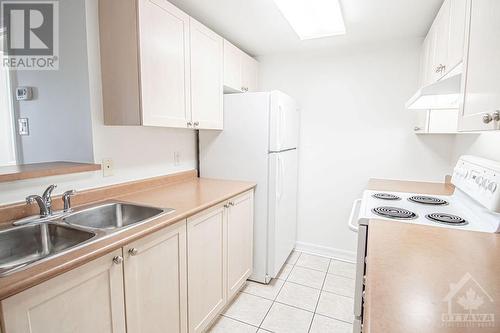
<point x="422" y="199"/>
<point x="446" y="219"/>
<point x="395" y="213"/>
<point x="386" y="196"/>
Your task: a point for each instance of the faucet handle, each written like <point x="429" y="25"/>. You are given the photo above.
<point x="48" y="192"/>
<point x="66" y="197"/>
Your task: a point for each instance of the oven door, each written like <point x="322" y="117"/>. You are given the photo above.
<point x="360" y="274"/>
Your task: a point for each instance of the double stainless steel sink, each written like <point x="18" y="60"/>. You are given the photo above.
<point x="40" y="240"/>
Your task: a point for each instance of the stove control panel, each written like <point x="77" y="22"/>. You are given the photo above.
<point x="480" y="179"/>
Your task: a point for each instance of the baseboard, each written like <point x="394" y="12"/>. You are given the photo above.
<point x="325" y="251"/>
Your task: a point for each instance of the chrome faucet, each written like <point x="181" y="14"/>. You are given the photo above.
<point x="44" y="202"/>
<point x="66" y="197"/>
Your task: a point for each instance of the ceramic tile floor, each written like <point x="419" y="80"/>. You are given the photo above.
<point x="311" y="294"/>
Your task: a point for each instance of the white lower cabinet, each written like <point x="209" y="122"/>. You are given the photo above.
<point x="206" y="267"/>
<point x="87" y="299"/>
<point x="239" y="242"/>
<point x="155" y="282"/>
<point x="177" y="279"/>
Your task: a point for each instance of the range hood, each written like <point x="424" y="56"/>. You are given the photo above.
<point x="443" y="94"/>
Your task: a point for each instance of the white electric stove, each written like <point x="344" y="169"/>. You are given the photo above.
<point x="474" y="206"/>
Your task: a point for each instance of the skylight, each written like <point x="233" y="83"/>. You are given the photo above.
<point x="313" y="18"/>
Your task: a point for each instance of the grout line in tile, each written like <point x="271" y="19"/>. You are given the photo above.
<point x="317" y="302"/>
<point x="293" y="306"/>
<point x="240" y="321"/>
<point x="274" y="301"/>
<point x="331" y="292"/>
<point x="313" y="269"/>
<point x="341" y="276"/>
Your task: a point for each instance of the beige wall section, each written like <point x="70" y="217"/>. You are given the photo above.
<point x="137" y="152"/>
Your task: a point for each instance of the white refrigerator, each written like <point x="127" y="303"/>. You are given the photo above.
<point x="259" y="143"/>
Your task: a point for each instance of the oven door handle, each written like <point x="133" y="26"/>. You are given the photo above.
<point x="354" y="210"/>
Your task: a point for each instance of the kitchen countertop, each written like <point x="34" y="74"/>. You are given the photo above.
<point x="187" y="198"/>
<point x="410" y="269"/>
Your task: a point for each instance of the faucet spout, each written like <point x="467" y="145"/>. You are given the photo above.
<point x="44" y="211"/>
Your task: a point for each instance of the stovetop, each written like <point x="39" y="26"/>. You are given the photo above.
<point x="456" y="211"/>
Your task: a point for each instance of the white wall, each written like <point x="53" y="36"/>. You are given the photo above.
<point x="137" y="152"/>
<point x="354" y="126"/>
<point x="483" y="145"/>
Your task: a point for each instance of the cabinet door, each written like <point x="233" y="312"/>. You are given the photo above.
<point x="207" y="61"/>
<point x="439" y="51"/>
<point x="164" y="64"/>
<point x="421" y="121"/>
<point x="456" y="42"/>
<point x="482" y="86"/>
<point x="206" y="267"/>
<point x="232" y="67"/>
<point x="426" y="70"/>
<point x="249" y="73"/>
<point x="239" y="242"/>
<point x="155" y="282"/>
<point x="86" y="299"/>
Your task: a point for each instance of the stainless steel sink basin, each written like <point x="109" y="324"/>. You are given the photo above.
<point x="24" y="245"/>
<point x="42" y="239"/>
<point x="114" y="215"/>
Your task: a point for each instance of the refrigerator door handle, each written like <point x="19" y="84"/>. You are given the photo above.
<point x="279" y="193"/>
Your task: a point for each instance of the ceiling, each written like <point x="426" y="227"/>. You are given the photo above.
<point x="258" y="27"/>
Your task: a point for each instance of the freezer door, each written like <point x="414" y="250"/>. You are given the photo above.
<point x="282" y="208"/>
<point x="284" y="122"/>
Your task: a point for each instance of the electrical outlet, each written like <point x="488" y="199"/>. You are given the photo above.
<point x="107" y="168"/>
<point x="177" y="158"/>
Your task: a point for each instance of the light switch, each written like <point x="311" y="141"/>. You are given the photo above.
<point x="24" y="126"/>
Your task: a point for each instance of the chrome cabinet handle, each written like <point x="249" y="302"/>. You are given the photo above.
<point x="244" y="89"/>
<point x="196" y="124"/>
<point x="416" y="129"/>
<point x="118" y="260"/>
<point x="487" y="118"/>
<point x="231" y="203"/>
<point x="496" y="115"/>
<point x="133" y="251"/>
<point x="226" y="206"/>
<point x="441" y="68"/>
<point x="189" y="124"/>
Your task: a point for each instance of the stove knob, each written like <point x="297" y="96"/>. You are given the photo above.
<point x="492" y="187"/>
<point x="479" y="180"/>
<point x="485" y="183"/>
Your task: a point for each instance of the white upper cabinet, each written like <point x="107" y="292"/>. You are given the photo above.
<point x="232" y="67"/>
<point x="240" y="70"/>
<point x="159" y="66"/>
<point x="481" y="107"/>
<point x="206" y="77"/>
<point x="457" y="33"/>
<point x="249" y="73"/>
<point x="443" y="48"/>
<point x="164" y="64"/>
